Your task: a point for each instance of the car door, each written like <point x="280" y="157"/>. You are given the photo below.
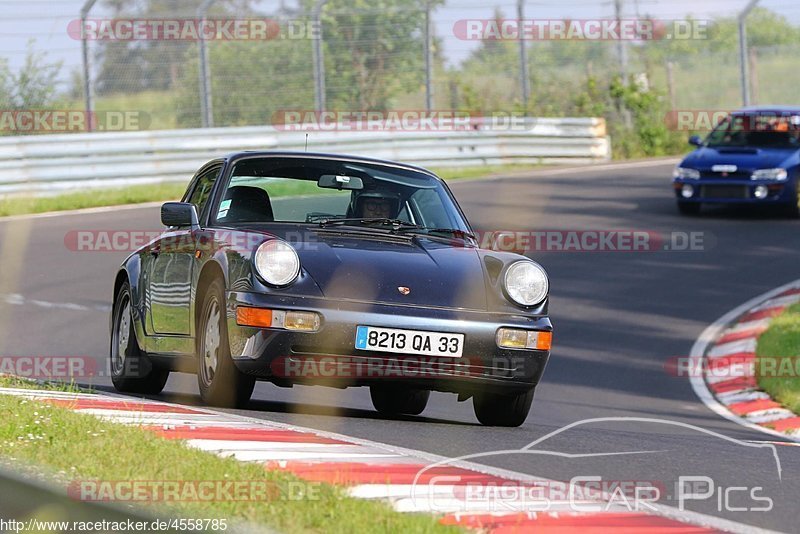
<point x="172" y="264"/>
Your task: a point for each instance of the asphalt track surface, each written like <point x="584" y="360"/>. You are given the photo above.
<point x="618" y="317"/>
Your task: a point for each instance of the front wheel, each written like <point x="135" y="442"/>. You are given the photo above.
<point x="689" y="208"/>
<point x="396" y="401"/>
<point x="220" y="382"/>
<point x="131" y="370"/>
<point x="498" y="409"/>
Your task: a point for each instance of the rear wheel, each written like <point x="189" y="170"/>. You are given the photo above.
<point x="131" y="370"/>
<point x="498" y="409"/>
<point x="220" y="382"/>
<point x="391" y="400"/>
<point x="689" y="208"/>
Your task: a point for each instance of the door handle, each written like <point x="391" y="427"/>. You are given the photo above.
<point x="155" y="251"/>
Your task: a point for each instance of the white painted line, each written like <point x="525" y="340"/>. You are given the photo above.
<point x="213" y="445"/>
<point x="749" y="325"/>
<point x="707" y="338"/>
<point x="442" y="505"/>
<point x="779" y="302"/>
<point x="278" y="455"/>
<point x="726" y="349"/>
<point x="737" y="396"/>
<point x="769" y="416"/>
<point x="729" y="372"/>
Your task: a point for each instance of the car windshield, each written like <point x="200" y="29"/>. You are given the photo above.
<point x="329" y="192"/>
<point x="760" y="130"/>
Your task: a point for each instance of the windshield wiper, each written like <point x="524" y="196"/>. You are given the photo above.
<point x="452" y="231"/>
<point x="396" y="224"/>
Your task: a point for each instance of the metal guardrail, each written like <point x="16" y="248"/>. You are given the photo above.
<point x="54" y="163"/>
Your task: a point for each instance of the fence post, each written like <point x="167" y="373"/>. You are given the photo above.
<point x="743" y="67"/>
<point x="206" y="104"/>
<point x="319" y="60"/>
<point x="428" y="57"/>
<point x="87" y="75"/>
<point x="523" y="57"/>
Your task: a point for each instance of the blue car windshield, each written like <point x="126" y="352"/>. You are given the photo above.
<point x="759" y="130"/>
<point x="330" y="191"/>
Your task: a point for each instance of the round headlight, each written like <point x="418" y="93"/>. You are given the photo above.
<point x="277" y="262"/>
<point x="526" y="283"/>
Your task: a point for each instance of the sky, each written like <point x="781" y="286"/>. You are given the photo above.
<point x="45" y="21"/>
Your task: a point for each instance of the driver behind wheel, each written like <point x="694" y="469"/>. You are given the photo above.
<point x="376" y="206"/>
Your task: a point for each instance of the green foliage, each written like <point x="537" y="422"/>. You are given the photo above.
<point x="33" y="86"/>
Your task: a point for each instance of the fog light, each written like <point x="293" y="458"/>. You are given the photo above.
<point x="687" y="191"/>
<point x="760" y="192"/>
<point x="512" y="338"/>
<point x="302" y="321"/>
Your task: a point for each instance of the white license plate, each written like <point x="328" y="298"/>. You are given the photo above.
<point x="409" y="341"/>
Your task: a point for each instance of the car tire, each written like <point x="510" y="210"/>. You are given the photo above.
<point x="502" y="409"/>
<point x="220" y="382"/>
<point x="793" y="209"/>
<point x="131" y="369"/>
<point x="689" y="208"/>
<point x="399" y="401"/>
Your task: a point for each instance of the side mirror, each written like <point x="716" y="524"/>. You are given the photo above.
<point x="333" y="181"/>
<point x="179" y="214"/>
<point x="695" y="140"/>
<point x="504" y="241"/>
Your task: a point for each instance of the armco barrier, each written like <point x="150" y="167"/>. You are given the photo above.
<point x="50" y="163"/>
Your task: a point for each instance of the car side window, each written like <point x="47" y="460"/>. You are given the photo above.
<point x="202" y="189"/>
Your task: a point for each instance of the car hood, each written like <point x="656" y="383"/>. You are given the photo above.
<point x="377" y="268"/>
<point x="746" y="159"/>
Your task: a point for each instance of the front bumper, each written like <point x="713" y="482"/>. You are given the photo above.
<point x="721" y="191"/>
<point x="329" y="357"/>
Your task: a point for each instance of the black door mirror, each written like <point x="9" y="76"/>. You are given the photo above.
<point x="695" y="140"/>
<point x="179" y="214"/>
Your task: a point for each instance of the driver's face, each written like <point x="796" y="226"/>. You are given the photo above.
<point x="377" y="208"/>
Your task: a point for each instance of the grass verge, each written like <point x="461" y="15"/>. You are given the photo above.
<point x="23" y="205"/>
<point x="77" y="447"/>
<point x="18" y="382"/>
<point x="778" y="359"/>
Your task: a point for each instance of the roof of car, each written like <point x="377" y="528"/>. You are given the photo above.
<point x="323" y="155"/>
<point x="768" y="109"/>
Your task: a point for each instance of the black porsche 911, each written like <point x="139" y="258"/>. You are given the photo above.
<point x="300" y="268"/>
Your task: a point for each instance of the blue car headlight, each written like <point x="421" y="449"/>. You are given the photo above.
<point x="770" y="174"/>
<point x="685" y="173"/>
<point x="277" y="262"/>
<point x="526" y="283"/>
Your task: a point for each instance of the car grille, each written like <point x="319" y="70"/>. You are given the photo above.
<point x="723" y="191"/>
<point x="738" y="175"/>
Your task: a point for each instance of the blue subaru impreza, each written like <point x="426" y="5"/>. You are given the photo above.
<point x="750" y="157"/>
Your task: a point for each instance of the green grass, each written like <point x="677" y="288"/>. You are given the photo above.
<point x="22" y="205"/>
<point x="11" y="381"/>
<point x="19" y="205"/>
<point x="778" y="359"/>
<point x="57" y="440"/>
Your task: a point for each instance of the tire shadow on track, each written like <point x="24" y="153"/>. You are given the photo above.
<point x="260" y="407"/>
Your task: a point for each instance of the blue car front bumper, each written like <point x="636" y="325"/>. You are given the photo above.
<point x="722" y="191"/>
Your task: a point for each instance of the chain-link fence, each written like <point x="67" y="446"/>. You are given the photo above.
<point x="192" y="63"/>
